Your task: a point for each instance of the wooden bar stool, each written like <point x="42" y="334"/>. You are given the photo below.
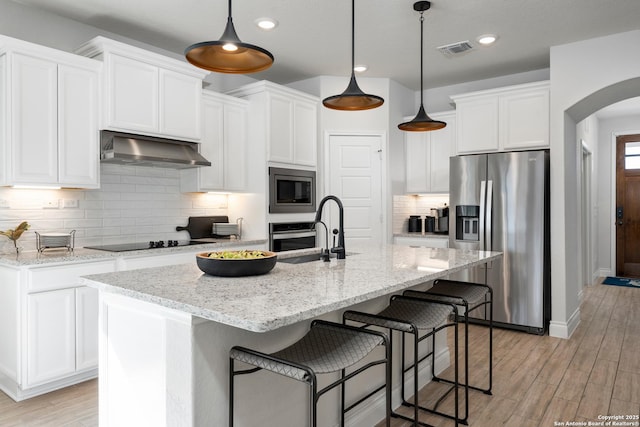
<point x="470" y="296"/>
<point x="410" y="316"/>
<point x="327" y="347"/>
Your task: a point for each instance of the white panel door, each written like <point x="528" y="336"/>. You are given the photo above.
<point x="355" y="178"/>
<point x="235" y="147"/>
<point x="35" y="121"/>
<point x="212" y="146"/>
<point x="280" y="129"/>
<point x="133" y="95"/>
<point x="78" y="145"/>
<point x="179" y="105"/>
<point x="86" y="328"/>
<point x="51" y="346"/>
<point x="305" y="133"/>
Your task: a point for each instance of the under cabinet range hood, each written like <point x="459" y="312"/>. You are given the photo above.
<point x="141" y="150"/>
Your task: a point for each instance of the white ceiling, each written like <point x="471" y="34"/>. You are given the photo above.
<point x="313" y="36"/>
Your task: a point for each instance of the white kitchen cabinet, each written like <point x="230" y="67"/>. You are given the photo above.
<point x="50" y="117"/>
<point x="224" y="144"/>
<point x="148" y="93"/>
<point x="86" y="312"/>
<point x="290" y="118"/>
<point x="49" y="327"/>
<point x="427" y="156"/>
<point x="50" y="336"/>
<point x="504" y="119"/>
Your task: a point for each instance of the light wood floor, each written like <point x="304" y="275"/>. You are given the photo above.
<point x="537" y="380"/>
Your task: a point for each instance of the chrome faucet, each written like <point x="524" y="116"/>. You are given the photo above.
<point x="339" y="250"/>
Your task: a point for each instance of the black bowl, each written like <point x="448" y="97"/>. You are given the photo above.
<point x="236" y="267"/>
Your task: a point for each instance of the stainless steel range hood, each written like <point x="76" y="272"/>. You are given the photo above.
<point x="140" y="150"/>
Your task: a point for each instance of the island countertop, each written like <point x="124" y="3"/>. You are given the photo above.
<point x="290" y="293"/>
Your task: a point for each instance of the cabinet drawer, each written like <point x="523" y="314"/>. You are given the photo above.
<point x="64" y="276"/>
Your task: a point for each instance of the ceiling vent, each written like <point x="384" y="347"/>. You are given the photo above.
<point x="455" y="48"/>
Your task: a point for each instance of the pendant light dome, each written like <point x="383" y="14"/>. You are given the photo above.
<point x="229" y="54"/>
<point x="421" y="122"/>
<point x="353" y="98"/>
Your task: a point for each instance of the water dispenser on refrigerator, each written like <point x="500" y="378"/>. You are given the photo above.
<point x="468" y="222"/>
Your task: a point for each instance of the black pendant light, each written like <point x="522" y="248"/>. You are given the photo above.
<point x="353" y="98"/>
<point x="421" y="122"/>
<point x="229" y="54"/>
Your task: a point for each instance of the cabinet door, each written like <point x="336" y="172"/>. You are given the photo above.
<point x="50" y="335"/>
<point x="34" y="140"/>
<point x="86" y="328"/>
<point x="517" y="129"/>
<point x="441" y="147"/>
<point x="5" y="161"/>
<point x="78" y="155"/>
<point x="417" y="162"/>
<point x="280" y="129"/>
<point x="305" y="133"/>
<point x="235" y="151"/>
<point x="179" y="105"/>
<point x="212" y="146"/>
<point x="132" y="92"/>
<point x="477" y="125"/>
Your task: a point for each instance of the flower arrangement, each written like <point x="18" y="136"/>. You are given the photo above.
<point x="15" y="234"/>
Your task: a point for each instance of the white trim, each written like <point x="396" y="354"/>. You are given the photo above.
<point x="565" y="329"/>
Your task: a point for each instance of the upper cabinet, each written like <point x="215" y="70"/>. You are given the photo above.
<point x="148" y="93"/>
<point x="291" y="122"/>
<point x="224" y="144"/>
<point x="49" y="109"/>
<point x="501" y="119"/>
<point x="427" y="156"/>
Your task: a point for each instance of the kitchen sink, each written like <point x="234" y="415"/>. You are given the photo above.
<point x="300" y="259"/>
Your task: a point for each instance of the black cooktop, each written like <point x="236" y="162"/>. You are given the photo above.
<point x="136" y="246"/>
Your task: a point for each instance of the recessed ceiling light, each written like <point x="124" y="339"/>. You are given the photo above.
<point x="266" y="23"/>
<point x="360" y="68"/>
<point x="487" y="39"/>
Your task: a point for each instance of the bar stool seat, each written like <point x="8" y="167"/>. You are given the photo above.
<point x="412" y="315"/>
<point x="327" y="347"/>
<point x="470" y="296"/>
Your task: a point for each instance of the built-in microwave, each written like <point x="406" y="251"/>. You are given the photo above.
<point x="292" y="190"/>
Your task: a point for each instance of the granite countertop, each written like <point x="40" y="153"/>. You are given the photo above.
<point x="422" y="234"/>
<point x="290" y="293"/>
<point x="63" y="256"/>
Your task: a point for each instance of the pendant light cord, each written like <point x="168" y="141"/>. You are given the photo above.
<point x="230" y="9"/>
<point x="421" y="59"/>
<point x="353" y="35"/>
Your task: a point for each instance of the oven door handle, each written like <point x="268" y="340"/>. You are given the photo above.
<point x="293" y="235"/>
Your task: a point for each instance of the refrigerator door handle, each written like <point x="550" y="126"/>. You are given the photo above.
<point x="483" y="194"/>
<point x="489" y="209"/>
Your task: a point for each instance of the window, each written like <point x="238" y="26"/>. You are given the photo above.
<point x="632" y="155"/>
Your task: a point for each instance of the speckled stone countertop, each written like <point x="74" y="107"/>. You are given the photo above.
<point x="290" y="293"/>
<point x="62" y="256"/>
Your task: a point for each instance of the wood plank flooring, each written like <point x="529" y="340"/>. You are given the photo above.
<point x="537" y="380"/>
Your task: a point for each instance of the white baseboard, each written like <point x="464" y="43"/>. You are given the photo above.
<point x="372" y="411"/>
<point x="565" y="329"/>
<point x="15" y="392"/>
<point x="604" y="272"/>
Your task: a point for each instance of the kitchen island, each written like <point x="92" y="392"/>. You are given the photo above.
<point x="165" y="333"/>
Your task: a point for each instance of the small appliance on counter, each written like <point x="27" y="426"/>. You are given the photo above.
<point x="440" y="219"/>
<point x="429" y="224"/>
<point x="55" y="240"/>
<point x="415" y="224"/>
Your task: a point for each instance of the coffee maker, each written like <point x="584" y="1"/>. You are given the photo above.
<point x="441" y="219"/>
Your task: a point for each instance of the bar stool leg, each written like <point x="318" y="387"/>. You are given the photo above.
<point x="231" y="380"/>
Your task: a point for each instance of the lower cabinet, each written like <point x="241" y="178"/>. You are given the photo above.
<point x="51" y="335"/>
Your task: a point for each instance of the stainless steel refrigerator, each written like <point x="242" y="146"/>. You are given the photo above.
<point x="500" y="202"/>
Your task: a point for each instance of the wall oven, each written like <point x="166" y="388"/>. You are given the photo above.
<point x="287" y="236"/>
<point x="292" y="190"/>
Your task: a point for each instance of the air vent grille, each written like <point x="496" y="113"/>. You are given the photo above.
<point x="455" y="48"/>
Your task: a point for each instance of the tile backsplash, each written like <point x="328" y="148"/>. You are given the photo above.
<point x="134" y="204"/>
<point x="405" y="205"/>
